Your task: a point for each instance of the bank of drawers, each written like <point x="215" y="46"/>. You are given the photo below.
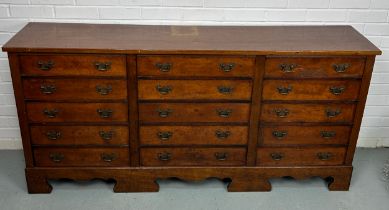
<point x="194" y="110"/>
<point x="308" y="106"/>
<point x="77" y="109"/>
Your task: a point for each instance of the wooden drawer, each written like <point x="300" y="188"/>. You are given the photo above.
<point x="193" y="156"/>
<point x="73" y="65"/>
<point x="79" y="135"/>
<point x="307" y="113"/>
<point x="300" y="156"/>
<point x="310" y="90"/>
<point x="220" y="66"/>
<point x="195" y="89"/>
<point x="314" y="67"/>
<point x="62" y="89"/>
<point x="309" y="135"/>
<point x="56" y="157"/>
<point x="193" y="135"/>
<point x="194" y="112"/>
<point x="77" y="112"/>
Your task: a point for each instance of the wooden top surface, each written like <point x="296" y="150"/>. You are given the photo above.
<point x="250" y="40"/>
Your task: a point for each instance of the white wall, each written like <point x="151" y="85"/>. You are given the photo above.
<point x="370" y="17"/>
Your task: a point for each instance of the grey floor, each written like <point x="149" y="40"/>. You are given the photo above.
<point x="368" y="191"/>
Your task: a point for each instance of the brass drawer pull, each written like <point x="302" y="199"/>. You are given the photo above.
<point x="45" y="66"/>
<point x="337" y="90"/>
<point x="284" y="90"/>
<point x="164" y="135"/>
<point x="48" y="89"/>
<point x="56" y="157"/>
<point x="103" y="66"/>
<point x="277" y="156"/>
<point x="164" y="67"/>
<point x="109" y="157"/>
<point x="225" y="90"/>
<point x="221" y="156"/>
<point x="105" y="113"/>
<point x="332" y="113"/>
<point x="224" y="112"/>
<point x="227" y="67"/>
<point x="165" y="156"/>
<point x="341" y="67"/>
<point x="104" y="90"/>
<point x="280" y="134"/>
<point x="164" y="90"/>
<point x="164" y="112"/>
<point x="50" y="113"/>
<point x="327" y="134"/>
<point x="282" y="113"/>
<point x="106" y="135"/>
<point x="286" y="68"/>
<point x="53" y="135"/>
<point x="324" y="155"/>
<point x="222" y="134"/>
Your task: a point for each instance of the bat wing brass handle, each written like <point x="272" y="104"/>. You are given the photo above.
<point x="287" y="67"/>
<point x="109" y="157"/>
<point x="222" y="134"/>
<point x="337" y="90"/>
<point x="164" y="112"/>
<point x="104" y="90"/>
<point x="103" y="66"/>
<point x="165" y="135"/>
<point x="280" y="134"/>
<point x="324" y="155"/>
<point x="56" y="157"/>
<point x="105" y="113"/>
<point x="227" y="67"/>
<point x="327" y="134"/>
<point x="48" y="89"/>
<point x="45" y="66"/>
<point x="277" y="156"/>
<point x="164" y="67"/>
<point x="106" y="135"/>
<point x="341" y="67"/>
<point x="50" y="113"/>
<point x="284" y="90"/>
<point x="53" y="135"/>
<point x="165" y="156"/>
<point x="164" y="90"/>
<point x="333" y="113"/>
<point x="282" y="113"/>
<point x="224" y="112"/>
<point x="221" y="156"/>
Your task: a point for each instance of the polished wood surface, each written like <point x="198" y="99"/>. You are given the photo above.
<point x="263" y="40"/>
<point x="193" y="135"/>
<point x="193" y="156"/>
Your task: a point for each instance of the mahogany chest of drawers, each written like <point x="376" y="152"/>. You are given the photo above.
<point x="140" y="103"/>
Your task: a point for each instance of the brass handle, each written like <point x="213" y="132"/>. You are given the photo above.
<point x="282" y="113"/>
<point x="341" y="67"/>
<point x="221" y="156"/>
<point x="109" y="157"/>
<point x="327" y="134"/>
<point x="225" y="89"/>
<point x="104" y="90"/>
<point x="45" y="66"/>
<point x="277" y="156"/>
<point x="226" y="67"/>
<point x="337" y="90"/>
<point x="106" y="135"/>
<point x="164" y="90"/>
<point x="103" y="66"/>
<point x="165" y="156"/>
<point x="324" y="155"/>
<point x="285" y="67"/>
<point x="164" y="135"/>
<point x="164" y="67"/>
<point x="224" y="112"/>
<point x="53" y="135"/>
<point x="164" y="112"/>
<point x="280" y="134"/>
<point x="222" y="134"/>
<point x="50" y="113"/>
<point x="56" y="157"/>
<point x="333" y="113"/>
<point x="284" y="90"/>
<point x="48" y="89"/>
<point x="105" y="113"/>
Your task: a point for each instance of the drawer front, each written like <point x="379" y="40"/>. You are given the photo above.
<point x="195" y="89"/>
<point x="73" y="65"/>
<point x="300" y="156"/>
<point x="57" y="157"/>
<point x="343" y="113"/>
<point x="220" y="66"/>
<point x="193" y="135"/>
<point x="77" y="112"/>
<point x="310" y="90"/>
<point x="79" y="135"/>
<point x="328" y="67"/>
<point x="62" y="89"/>
<point x="191" y="112"/>
<point x="193" y="156"/>
<point x="304" y="135"/>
